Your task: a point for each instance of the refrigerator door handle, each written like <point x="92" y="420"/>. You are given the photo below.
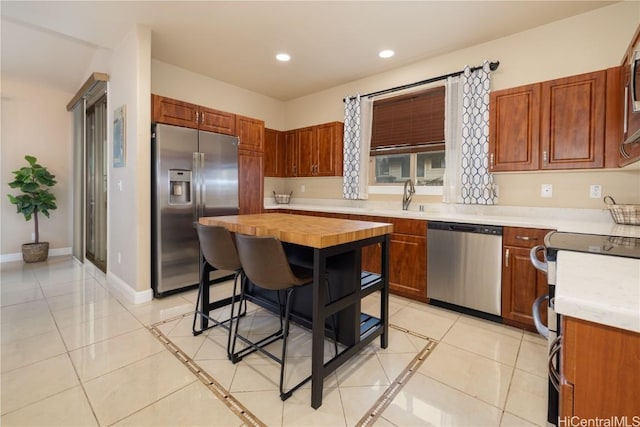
<point x="196" y="187"/>
<point x="203" y="188"/>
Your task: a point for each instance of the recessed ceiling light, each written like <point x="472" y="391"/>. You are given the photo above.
<point x="283" y="57"/>
<point x="386" y="53"/>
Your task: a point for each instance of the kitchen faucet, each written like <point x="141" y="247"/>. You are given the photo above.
<point x="409" y="189"/>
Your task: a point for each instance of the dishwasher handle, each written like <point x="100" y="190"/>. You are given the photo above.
<point x="460" y="227"/>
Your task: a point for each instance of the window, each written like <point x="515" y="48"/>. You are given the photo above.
<point x="407" y="140"/>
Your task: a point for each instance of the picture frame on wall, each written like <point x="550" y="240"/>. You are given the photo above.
<point x="119" y="137"/>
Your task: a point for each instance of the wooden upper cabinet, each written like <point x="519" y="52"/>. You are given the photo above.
<point x="573" y="122"/>
<point x="217" y="121"/>
<point x="173" y="112"/>
<point x="179" y="113"/>
<point x="306" y="151"/>
<point x="557" y="124"/>
<point x="514" y="128"/>
<point x="251" y="133"/>
<point x="328" y="149"/>
<point x="291" y="153"/>
<point x="314" y="150"/>
<point x="274" y="153"/>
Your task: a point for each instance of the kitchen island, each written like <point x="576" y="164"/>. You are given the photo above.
<point x="334" y="249"/>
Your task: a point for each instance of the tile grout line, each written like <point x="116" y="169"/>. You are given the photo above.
<point x="376" y="410"/>
<point x="243" y="412"/>
<point x="218" y="390"/>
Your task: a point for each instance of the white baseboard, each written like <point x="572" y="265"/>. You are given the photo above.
<point x="122" y="288"/>
<point x="18" y="255"/>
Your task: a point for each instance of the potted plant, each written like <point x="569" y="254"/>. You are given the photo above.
<point x="34" y="182"/>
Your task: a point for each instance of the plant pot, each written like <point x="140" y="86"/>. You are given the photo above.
<point x="35" y="252"/>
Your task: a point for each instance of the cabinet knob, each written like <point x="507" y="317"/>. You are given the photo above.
<point x="526" y="238"/>
<point x="506" y="258"/>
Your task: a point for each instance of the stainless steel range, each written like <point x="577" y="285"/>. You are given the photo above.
<point x="575" y="242"/>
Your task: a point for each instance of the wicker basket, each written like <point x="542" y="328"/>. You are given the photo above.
<point x="282" y="199"/>
<point x="623" y="214"/>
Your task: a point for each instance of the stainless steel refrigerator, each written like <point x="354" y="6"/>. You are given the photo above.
<point x="194" y="173"/>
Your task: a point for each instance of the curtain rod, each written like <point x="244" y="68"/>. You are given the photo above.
<point x="492" y="66"/>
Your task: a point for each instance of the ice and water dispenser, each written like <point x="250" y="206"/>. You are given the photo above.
<point x="179" y="187"/>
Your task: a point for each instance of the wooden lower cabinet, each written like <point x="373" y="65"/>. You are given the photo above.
<point x="521" y="282"/>
<point x="407" y="257"/>
<point x="600" y="372"/>
<point x="408" y="266"/>
<point x="407" y="254"/>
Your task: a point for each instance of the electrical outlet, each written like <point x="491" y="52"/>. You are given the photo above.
<point x="33" y="237"/>
<point x="546" y="190"/>
<point x="595" y="191"/>
<point x="302" y="188"/>
<point x="119" y="258"/>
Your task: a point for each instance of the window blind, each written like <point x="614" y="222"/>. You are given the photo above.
<point x="408" y="123"/>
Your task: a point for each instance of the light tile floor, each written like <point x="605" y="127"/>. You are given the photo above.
<point x="74" y="353"/>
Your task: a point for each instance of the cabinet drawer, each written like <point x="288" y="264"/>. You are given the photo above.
<point x="414" y="227"/>
<point x="523" y="237"/>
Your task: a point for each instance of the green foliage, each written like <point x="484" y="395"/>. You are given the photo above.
<point x="34" y="182"/>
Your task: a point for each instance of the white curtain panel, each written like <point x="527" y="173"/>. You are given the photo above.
<point x="451" y="192"/>
<point x="476" y="181"/>
<point x="358" y="113"/>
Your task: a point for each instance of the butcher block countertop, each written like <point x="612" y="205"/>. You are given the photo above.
<point x="311" y="231"/>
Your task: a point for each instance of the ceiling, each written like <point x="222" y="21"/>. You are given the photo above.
<point x="330" y="42"/>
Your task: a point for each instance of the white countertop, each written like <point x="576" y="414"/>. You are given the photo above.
<point x="590" y="221"/>
<point x="599" y="288"/>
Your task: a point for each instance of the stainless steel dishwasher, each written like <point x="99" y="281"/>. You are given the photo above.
<point x="464" y="267"/>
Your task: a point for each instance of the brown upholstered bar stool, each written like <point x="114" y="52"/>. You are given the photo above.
<point x="265" y="264"/>
<point x="219" y="252"/>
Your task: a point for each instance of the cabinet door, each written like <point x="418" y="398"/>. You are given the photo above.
<point x="521" y="285"/>
<point x="572" y="122"/>
<point x="251" y="134"/>
<point x="328" y="149"/>
<point x="291" y="153"/>
<point x="514" y="129"/>
<point x="521" y="282"/>
<point x="173" y="112"/>
<point x="408" y="266"/>
<point x="274" y="153"/>
<point x="250" y="182"/>
<point x="306" y="164"/>
<point x="217" y="121"/>
<point x="601" y="364"/>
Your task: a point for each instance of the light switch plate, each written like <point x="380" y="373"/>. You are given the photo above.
<point x="546" y="190"/>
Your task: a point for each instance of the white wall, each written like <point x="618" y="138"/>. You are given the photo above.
<point x="129" y="204"/>
<point x="583" y="43"/>
<point x="592" y="41"/>
<point x="35" y="122"/>
<point x="174" y="82"/>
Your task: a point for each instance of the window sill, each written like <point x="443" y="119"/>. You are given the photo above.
<point x="399" y="189"/>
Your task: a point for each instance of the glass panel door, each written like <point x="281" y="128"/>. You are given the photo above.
<point x="96" y="183"/>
